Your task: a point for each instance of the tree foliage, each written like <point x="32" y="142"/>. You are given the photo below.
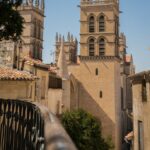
<point x="84" y="130"/>
<point x="11" y="22"/>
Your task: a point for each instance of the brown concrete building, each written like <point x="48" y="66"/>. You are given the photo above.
<point x="141" y="107"/>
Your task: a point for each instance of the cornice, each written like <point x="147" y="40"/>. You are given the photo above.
<point x="99" y="58"/>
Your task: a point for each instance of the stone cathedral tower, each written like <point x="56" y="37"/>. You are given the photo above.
<point x="31" y="44"/>
<point x="70" y="48"/>
<point x="98" y="74"/>
<point x="32" y="38"/>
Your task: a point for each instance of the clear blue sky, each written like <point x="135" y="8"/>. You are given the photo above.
<point x="63" y="16"/>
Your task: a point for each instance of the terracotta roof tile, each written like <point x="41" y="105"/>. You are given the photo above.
<point x="32" y="61"/>
<point x="13" y="74"/>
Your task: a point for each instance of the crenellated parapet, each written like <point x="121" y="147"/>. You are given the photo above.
<point x="39" y="4"/>
<point x="98" y="2"/>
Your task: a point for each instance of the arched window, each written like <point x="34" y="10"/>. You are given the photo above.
<point x="91" y="47"/>
<point x="35" y="29"/>
<point x="101" y="24"/>
<point x="91" y="24"/>
<point x="101" y="47"/>
<point x="39" y="30"/>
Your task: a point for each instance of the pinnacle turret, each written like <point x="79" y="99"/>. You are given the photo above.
<point x="62" y="64"/>
<point x="36" y="3"/>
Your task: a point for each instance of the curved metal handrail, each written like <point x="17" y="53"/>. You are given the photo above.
<point x="30" y="126"/>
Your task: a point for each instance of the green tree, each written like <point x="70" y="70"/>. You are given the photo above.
<point x="11" y="22"/>
<point x="84" y="130"/>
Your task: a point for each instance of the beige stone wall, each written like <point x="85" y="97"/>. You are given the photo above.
<point x="55" y="100"/>
<point x="7" y="53"/>
<point x="40" y="73"/>
<point x="66" y="94"/>
<point x="107" y="108"/>
<point x="141" y="113"/>
<point x="22" y="90"/>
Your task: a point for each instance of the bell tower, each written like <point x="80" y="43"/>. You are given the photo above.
<point x="99" y="27"/>
<point x="98" y="71"/>
<point x="32" y="38"/>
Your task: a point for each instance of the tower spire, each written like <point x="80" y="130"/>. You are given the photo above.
<point x="29" y="2"/>
<point x="68" y="37"/>
<point x="56" y="38"/>
<point x="37" y="3"/>
<point x="62" y="64"/>
<point x="42" y="4"/>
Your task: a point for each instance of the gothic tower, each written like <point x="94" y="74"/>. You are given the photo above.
<point x="98" y="73"/>
<point x="70" y="48"/>
<point x="32" y="38"/>
<point x="99" y="27"/>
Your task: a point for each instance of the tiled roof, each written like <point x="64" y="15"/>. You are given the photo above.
<point x="13" y="74"/>
<point x="53" y="69"/>
<point x="32" y="61"/>
<point x="35" y="62"/>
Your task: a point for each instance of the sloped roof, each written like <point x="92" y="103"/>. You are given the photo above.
<point x="13" y="74"/>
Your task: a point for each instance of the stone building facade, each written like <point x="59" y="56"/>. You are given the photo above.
<point x="15" y="84"/>
<point x="31" y="43"/>
<point x="126" y="68"/>
<point x="96" y="79"/>
<point x="141" y="107"/>
<point x="7" y="53"/>
<point x="32" y="36"/>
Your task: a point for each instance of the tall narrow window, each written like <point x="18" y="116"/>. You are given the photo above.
<point x="43" y="84"/>
<point x="100" y="94"/>
<point x="96" y="71"/>
<point x="101" y="24"/>
<point x="91" y="47"/>
<point x="144" y="91"/>
<point x="91" y="24"/>
<point x="35" y="29"/>
<point x="140" y="135"/>
<point x="101" y="47"/>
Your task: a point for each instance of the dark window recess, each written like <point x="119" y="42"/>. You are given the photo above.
<point x="96" y="71"/>
<point x="101" y="47"/>
<point x="101" y="94"/>
<point x="101" y="24"/>
<point x="55" y="83"/>
<point x="91" y="24"/>
<point x="91" y="47"/>
<point x="144" y="91"/>
<point x="122" y="103"/>
<point x="140" y="135"/>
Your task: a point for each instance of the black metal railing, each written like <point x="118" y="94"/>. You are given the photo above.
<point x="30" y="126"/>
